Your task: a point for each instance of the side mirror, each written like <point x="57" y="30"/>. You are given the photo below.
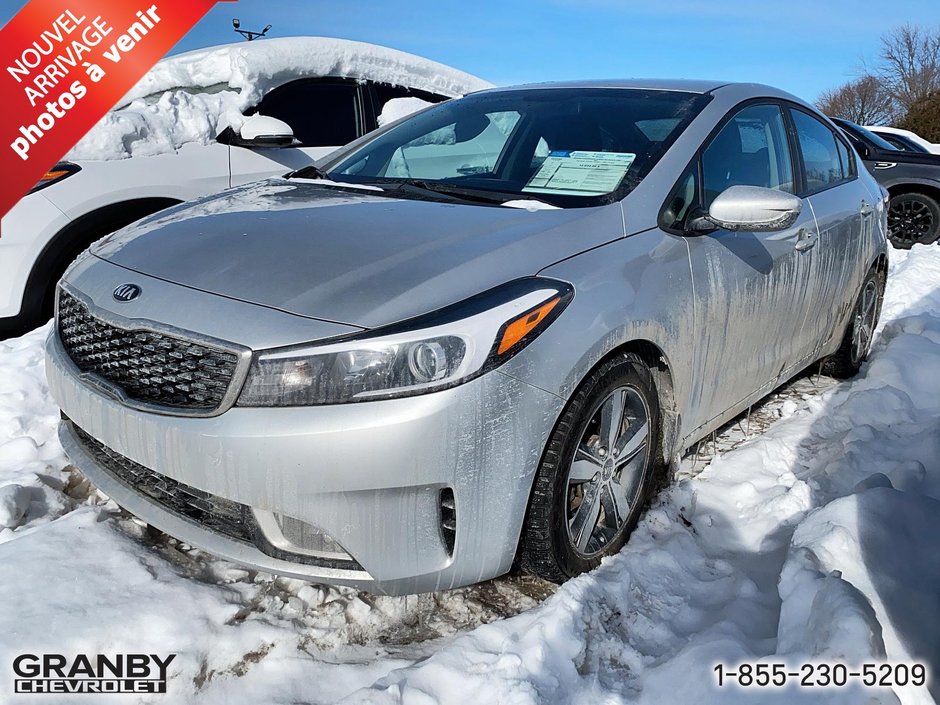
<point x="753" y="209"/>
<point x="264" y="131"/>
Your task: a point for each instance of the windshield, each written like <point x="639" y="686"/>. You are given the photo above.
<point x="569" y="147"/>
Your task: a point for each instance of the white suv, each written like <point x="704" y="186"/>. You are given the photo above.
<point x="199" y="123"/>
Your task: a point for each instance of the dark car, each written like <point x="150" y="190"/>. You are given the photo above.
<point x="912" y="180"/>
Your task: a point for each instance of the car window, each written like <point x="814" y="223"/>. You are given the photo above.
<point x="382" y="93"/>
<point x="903" y="143"/>
<point x="683" y="197"/>
<point x="750" y="150"/>
<point x="895" y="142"/>
<point x="821" y="162"/>
<point x="322" y="114"/>
<point x="571" y="147"/>
<point x="847" y="157"/>
<point x="451" y="150"/>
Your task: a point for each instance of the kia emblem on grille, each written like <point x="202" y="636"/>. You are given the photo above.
<point x="126" y="292"/>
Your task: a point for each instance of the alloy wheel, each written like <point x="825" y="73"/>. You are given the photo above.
<point x="864" y="325"/>
<point x="606" y="474"/>
<point x="910" y="220"/>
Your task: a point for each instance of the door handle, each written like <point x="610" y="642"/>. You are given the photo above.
<point x="866" y="208"/>
<point x="805" y="240"/>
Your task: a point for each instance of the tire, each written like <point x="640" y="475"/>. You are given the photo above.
<point x="554" y="543"/>
<point x="913" y="218"/>
<point x="856" y="343"/>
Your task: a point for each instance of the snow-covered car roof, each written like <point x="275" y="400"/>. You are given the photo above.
<point x="191" y="97"/>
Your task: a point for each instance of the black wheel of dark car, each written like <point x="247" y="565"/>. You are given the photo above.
<point x="913" y="218"/>
<point x="856" y="342"/>
<point x="597" y="473"/>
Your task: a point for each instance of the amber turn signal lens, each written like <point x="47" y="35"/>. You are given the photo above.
<point x="53" y="175"/>
<point x="525" y="324"/>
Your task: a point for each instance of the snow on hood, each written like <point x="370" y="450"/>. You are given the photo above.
<point x="192" y="97"/>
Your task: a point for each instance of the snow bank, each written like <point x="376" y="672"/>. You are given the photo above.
<point x="191" y="97"/>
<point x="861" y="582"/>
<point x="31" y="459"/>
<point x="814" y="540"/>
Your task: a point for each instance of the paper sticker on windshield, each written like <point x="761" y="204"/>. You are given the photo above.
<point x="580" y="173"/>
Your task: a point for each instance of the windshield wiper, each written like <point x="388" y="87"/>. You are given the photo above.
<point x="464" y="193"/>
<point x="452" y="192"/>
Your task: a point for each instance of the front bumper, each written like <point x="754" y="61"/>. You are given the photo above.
<point x="369" y="475"/>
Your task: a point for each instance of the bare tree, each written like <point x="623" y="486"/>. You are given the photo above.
<point x="910" y="63"/>
<point x="865" y="101"/>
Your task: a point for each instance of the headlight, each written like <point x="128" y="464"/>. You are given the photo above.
<point x="425" y="354"/>
<point x="60" y="172"/>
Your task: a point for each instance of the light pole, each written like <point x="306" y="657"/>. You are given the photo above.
<point x="250" y="36"/>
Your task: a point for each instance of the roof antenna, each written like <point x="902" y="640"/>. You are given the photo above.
<point x="250" y="36"/>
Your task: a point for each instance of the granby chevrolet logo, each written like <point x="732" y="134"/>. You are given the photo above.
<point x="120" y="673"/>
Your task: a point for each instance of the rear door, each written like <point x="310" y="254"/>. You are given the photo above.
<point x="751" y="297"/>
<point x="844" y="213"/>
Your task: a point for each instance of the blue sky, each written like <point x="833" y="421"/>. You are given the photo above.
<point x="803" y="46"/>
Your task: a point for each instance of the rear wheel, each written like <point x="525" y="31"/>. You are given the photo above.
<point x="856" y="343"/>
<point x="597" y="473"/>
<point x="913" y="218"/>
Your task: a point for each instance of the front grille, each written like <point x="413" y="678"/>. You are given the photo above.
<point x="146" y="366"/>
<point x="210" y="511"/>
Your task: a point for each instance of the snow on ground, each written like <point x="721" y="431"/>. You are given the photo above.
<point x="191" y="97"/>
<point x="808" y="532"/>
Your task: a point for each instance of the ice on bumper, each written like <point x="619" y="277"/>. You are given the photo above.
<point x="370" y="475"/>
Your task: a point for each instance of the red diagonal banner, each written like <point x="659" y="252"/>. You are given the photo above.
<point x="64" y="64"/>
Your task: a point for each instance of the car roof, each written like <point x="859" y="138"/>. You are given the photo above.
<point x="736" y="90"/>
<point x="689" y="86"/>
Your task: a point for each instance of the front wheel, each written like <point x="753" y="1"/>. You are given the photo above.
<point x="597" y="473"/>
<point x="856" y="342"/>
<point x="913" y="218"/>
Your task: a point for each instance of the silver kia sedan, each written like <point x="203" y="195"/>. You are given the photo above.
<point x="477" y="338"/>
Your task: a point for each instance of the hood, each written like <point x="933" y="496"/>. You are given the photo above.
<point x="349" y="256"/>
